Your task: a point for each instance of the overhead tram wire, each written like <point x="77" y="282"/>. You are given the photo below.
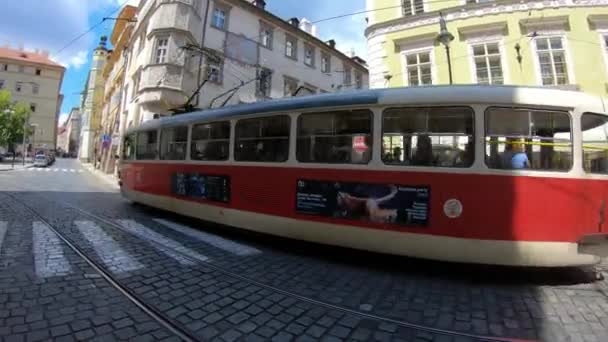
<point x="75" y="39"/>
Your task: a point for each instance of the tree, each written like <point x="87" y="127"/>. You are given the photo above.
<point x="13" y="119"/>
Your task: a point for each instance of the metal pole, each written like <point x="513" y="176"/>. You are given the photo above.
<point x="24" y="152"/>
<point x="447" y="51"/>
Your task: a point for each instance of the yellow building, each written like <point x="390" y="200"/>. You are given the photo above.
<point x="32" y="78"/>
<point x="113" y="116"/>
<point x="558" y="43"/>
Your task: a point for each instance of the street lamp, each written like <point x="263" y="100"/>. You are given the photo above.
<point x="445" y="38"/>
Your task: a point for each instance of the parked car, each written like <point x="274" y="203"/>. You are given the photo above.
<point x="41" y="160"/>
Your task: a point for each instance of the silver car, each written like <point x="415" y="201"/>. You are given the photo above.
<point x="41" y="160"/>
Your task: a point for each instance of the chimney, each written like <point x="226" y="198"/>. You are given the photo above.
<point x="295" y="22"/>
<point x="259" y="4"/>
<point x="331" y="43"/>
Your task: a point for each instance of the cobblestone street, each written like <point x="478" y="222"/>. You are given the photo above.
<point x="78" y="262"/>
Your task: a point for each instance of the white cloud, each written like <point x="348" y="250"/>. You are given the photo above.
<point x="73" y="61"/>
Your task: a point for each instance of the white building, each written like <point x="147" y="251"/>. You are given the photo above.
<point x="245" y="48"/>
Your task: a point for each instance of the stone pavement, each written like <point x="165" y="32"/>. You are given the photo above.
<point x="7" y="165"/>
<point x="219" y="284"/>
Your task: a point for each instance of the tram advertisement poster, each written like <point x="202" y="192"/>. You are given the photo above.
<point x="382" y="203"/>
<point x="201" y="186"/>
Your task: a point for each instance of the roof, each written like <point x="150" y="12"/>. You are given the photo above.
<point x="294" y="29"/>
<point x="28" y="57"/>
<point x="423" y="96"/>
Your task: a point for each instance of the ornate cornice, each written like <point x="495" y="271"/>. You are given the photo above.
<point x="475" y="11"/>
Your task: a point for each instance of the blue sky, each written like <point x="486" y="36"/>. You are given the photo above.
<point x="51" y="24"/>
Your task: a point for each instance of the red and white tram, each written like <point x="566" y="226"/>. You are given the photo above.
<point x="477" y="174"/>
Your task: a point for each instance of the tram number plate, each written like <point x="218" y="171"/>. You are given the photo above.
<point x="201" y="186"/>
<point x="380" y="203"/>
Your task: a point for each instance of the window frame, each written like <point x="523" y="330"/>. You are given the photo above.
<point x="191" y="140"/>
<point x="217" y="6"/>
<point x="212" y="65"/>
<point x="311" y="48"/>
<point x="530" y="108"/>
<point x="583" y="142"/>
<point x="327" y="69"/>
<point x="265" y="27"/>
<point x="161" y="153"/>
<point x="603" y="35"/>
<point x="347" y="78"/>
<point x="412" y="8"/>
<point x="158" y="48"/>
<point x="473" y="139"/>
<point x="19" y="87"/>
<point x="503" y="61"/>
<point x="567" y="57"/>
<point x="287" y="79"/>
<point x="156" y="151"/>
<point x="35" y="88"/>
<point x="33" y="107"/>
<point x="236" y="139"/>
<point x="38" y="72"/>
<point x="371" y="114"/>
<point x="405" y="72"/>
<point x="2" y="83"/>
<point x="294" y="47"/>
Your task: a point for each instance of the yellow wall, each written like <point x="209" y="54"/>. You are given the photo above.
<point x="586" y="57"/>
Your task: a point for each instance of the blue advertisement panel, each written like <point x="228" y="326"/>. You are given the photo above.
<point x="201" y="186"/>
<point x="381" y="203"/>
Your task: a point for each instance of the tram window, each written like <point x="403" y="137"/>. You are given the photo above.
<point x="173" y="142"/>
<point x="262" y="139"/>
<point x="520" y="138"/>
<point x="128" y="148"/>
<point x="428" y="136"/>
<point x="146" y="145"/>
<point x="595" y="143"/>
<point x="335" y="137"/>
<point x="210" y="141"/>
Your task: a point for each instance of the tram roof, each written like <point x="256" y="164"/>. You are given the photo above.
<point x="425" y="95"/>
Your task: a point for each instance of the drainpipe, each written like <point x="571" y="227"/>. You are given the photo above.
<point x="200" y="57"/>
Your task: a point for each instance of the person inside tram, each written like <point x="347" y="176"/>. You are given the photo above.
<point x="424" y="151"/>
<point x="515" y="156"/>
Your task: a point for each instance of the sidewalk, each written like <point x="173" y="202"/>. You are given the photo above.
<point x="6" y="165"/>
<point x="110" y="179"/>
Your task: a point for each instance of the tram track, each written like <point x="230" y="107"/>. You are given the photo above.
<point x="186" y="335"/>
<point x="153" y="313"/>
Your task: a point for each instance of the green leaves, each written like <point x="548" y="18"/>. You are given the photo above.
<point x="13" y="117"/>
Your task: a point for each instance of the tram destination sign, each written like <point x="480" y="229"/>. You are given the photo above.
<point x="201" y="186"/>
<point x="381" y="203"/>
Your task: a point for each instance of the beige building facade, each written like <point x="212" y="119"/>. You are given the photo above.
<point x="240" y="51"/>
<point x="32" y="78"/>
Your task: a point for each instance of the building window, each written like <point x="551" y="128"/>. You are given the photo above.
<point x="220" y="17"/>
<point x="173" y="142"/>
<point x="162" y="44"/>
<point x="428" y="136"/>
<point x="38" y="72"/>
<point x="309" y="55"/>
<point x="32" y="107"/>
<point x="337" y="137"/>
<point x="18" y="87"/>
<point x="291" y="47"/>
<point x="1" y="84"/>
<point x="348" y="78"/>
<point x="262" y="139"/>
<point x="146" y="145"/>
<point x="5" y="67"/>
<point x="358" y="80"/>
<point x="142" y="40"/>
<point x="210" y="141"/>
<point x="290" y="85"/>
<point x="413" y="7"/>
<point x="21" y="68"/>
<point x="521" y="138"/>
<point x="266" y="35"/>
<point x="488" y="66"/>
<point x="264" y="84"/>
<point x="214" y="69"/>
<point x="325" y="63"/>
<point x="419" y="68"/>
<point x="552" y="60"/>
<point x="595" y="143"/>
<point x="35" y="88"/>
